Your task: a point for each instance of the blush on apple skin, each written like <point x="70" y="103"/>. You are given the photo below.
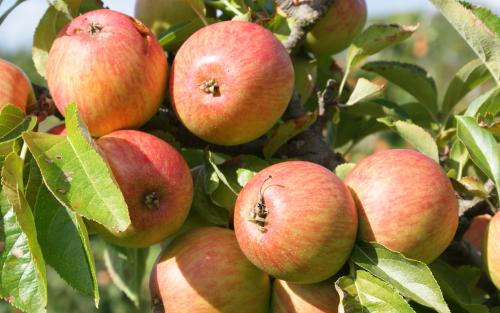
<point x="311" y="225"/>
<point x="405" y="202"/>
<point x="155" y="181"/>
<point x="231" y="82"/>
<point x="58" y="130"/>
<point x="477" y="230"/>
<point x="316" y="298"/>
<point x="112" y="67"/>
<point x="15" y="87"/>
<point x="205" y="271"/>
<point x="336" y="30"/>
<point x="491" y="250"/>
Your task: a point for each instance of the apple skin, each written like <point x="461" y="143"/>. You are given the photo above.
<point x="491" y="250"/>
<point x="58" y="130"/>
<point x="15" y="87"/>
<point x="336" y="30"/>
<point x="146" y="166"/>
<point x="306" y="74"/>
<point x="311" y="225"/>
<point x="160" y="15"/>
<point x="205" y="271"/>
<point x="405" y="202"/>
<point x="112" y="67"/>
<point x="316" y="298"/>
<point x="477" y="230"/>
<point x="255" y="80"/>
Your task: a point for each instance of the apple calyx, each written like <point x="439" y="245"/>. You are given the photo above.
<point x="260" y="210"/>
<point x="94" y="28"/>
<point x="152" y="201"/>
<point x="210" y="86"/>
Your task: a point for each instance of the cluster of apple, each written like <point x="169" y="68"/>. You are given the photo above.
<point x="294" y="221"/>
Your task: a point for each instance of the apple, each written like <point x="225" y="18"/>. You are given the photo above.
<point x="112" y="67"/>
<point x="405" y="202"/>
<point x="15" y="87"/>
<point x="205" y="271"/>
<point x="155" y="181"/>
<point x="477" y="229"/>
<point x="296" y="221"/>
<point x="491" y="250"/>
<point x="306" y="73"/>
<point x="58" y="130"/>
<point x="337" y="28"/>
<point x="316" y="298"/>
<point x="161" y="15"/>
<point x="231" y="82"/>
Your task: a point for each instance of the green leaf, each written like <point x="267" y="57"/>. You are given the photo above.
<point x="343" y="170"/>
<point x="127" y="269"/>
<point x="173" y="38"/>
<point x="58" y="15"/>
<point x="23" y="281"/>
<point x="411" y="78"/>
<point x="63" y="237"/>
<point x="202" y="204"/>
<point x="90" y="5"/>
<point x="364" y="91"/>
<point x="220" y="175"/>
<point x="479" y="28"/>
<point x="77" y="175"/>
<point x="372" y="40"/>
<point x="467" y="78"/>
<point x="487" y="102"/>
<point x="482" y="147"/>
<point x="454" y="288"/>
<point x="363" y="292"/>
<point x="412" y="278"/>
<point x="419" y="138"/>
<point x="13" y="122"/>
<point x="287" y="131"/>
<point x="458" y="157"/>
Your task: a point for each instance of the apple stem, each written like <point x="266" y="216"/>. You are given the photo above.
<point x="210" y="86"/>
<point x="152" y="201"/>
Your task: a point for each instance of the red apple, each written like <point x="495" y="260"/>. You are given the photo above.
<point x="112" y="67"/>
<point x="296" y="221"/>
<point x="338" y="27"/>
<point x="15" y="87"/>
<point x="155" y="181"/>
<point x="231" y="82"/>
<point x="491" y="250"/>
<point x="405" y="202"/>
<point x="58" y="130"/>
<point x="162" y="15"/>
<point x="316" y="298"/>
<point x="204" y="270"/>
<point x="477" y="229"/>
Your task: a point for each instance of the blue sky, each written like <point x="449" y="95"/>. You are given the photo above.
<point x="17" y="31"/>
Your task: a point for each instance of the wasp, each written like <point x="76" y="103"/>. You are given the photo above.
<point x="260" y="211"/>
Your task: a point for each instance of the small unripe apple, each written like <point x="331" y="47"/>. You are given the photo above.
<point x="306" y="73"/>
<point x="15" y="87"/>
<point x="231" y="82"/>
<point x="491" y="250"/>
<point x="112" y="67"/>
<point x="336" y="30"/>
<point x="405" y="202"/>
<point x="296" y="221"/>
<point x="205" y="271"/>
<point x="155" y="181"/>
<point x="477" y="230"/>
<point x="161" y="15"/>
<point x="316" y="298"/>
